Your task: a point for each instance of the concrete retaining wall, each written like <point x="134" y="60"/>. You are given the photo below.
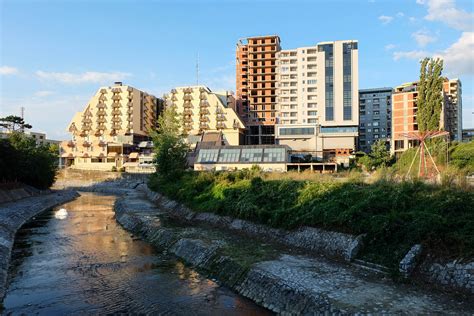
<point x="13" y="215"/>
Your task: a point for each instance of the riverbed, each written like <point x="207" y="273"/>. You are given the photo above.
<point x="75" y="259"/>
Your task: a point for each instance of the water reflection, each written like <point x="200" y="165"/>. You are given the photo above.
<point x="81" y="261"/>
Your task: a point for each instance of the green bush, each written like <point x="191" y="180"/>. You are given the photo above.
<point x="394" y="216"/>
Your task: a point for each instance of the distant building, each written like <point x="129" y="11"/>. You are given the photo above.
<point x="271" y="158"/>
<point x="107" y="132"/>
<point x="318" y="99"/>
<point x="468" y="134"/>
<point x="405" y="108"/>
<point x="256" y="87"/>
<point x="375" y="117"/>
<point x="40" y="138"/>
<point x="204" y="111"/>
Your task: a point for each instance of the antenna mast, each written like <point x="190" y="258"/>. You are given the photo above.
<point x="197" y="69"/>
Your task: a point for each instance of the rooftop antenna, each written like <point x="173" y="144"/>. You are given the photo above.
<point x="197" y="69"/>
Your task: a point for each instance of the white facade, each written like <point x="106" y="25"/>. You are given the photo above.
<point x="318" y="87"/>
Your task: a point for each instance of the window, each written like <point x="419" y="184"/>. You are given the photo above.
<point x="207" y="155"/>
<point x="297" y="131"/>
<point x="229" y="155"/>
<point x="312" y="113"/>
<point x="251" y="155"/>
<point x="274" y="155"/>
<point x="312" y="81"/>
<point x="339" y="129"/>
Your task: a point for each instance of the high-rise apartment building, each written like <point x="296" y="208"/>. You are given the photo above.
<point x="405" y="108"/>
<point x="375" y="117"/>
<point x="204" y="111"/>
<point x="107" y="132"/>
<point x="256" y="87"/>
<point x="318" y="98"/>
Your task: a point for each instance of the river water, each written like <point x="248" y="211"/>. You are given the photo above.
<point x="83" y="262"/>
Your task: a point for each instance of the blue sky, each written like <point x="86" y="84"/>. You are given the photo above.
<point x="55" y="54"/>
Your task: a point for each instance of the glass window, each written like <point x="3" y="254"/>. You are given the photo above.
<point x="251" y="155"/>
<point x="339" y="129"/>
<point x="297" y="131"/>
<point x="208" y="155"/>
<point x="229" y="155"/>
<point x="274" y="155"/>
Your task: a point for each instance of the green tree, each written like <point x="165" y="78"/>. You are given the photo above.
<point x="14" y="123"/>
<point x="22" y="161"/>
<point x="378" y="156"/>
<point x="170" y="145"/>
<point x="430" y="98"/>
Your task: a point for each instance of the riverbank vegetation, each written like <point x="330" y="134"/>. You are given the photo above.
<point x="394" y="216"/>
<point x="22" y="161"/>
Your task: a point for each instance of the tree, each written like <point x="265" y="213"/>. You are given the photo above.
<point x="14" y="123"/>
<point x="378" y="156"/>
<point x="430" y="98"/>
<point x="170" y="145"/>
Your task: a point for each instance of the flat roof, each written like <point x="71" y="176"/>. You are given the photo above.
<point x="375" y="89"/>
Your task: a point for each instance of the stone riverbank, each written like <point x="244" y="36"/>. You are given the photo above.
<point x="14" y="214"/>
<point x="281" y="279"/>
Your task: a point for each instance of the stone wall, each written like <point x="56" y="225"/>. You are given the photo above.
<point x="13" y="215"/>
<point x="311" y="239"/>
<point x="23" y="191"/>
<point x="456" y="274"/>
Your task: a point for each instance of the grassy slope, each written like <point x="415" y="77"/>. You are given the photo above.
<point x="393" y="215"/>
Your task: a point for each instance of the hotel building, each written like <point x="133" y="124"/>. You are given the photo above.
<point x="404" y="113"/>
<point x="107" y="132"/>
<point x="256" y="83"/>
<point x="375" y="117"/>
<point x="205" y="112"/>
<point x="318" y="99"/>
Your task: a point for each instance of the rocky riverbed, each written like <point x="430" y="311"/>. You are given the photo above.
<point x="282" y="279"/>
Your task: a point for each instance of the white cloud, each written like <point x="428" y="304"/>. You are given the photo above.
<point x="400" y="14"/>
<point x="44" y="93"/>
<point x="445" y="11"/>
<point x="385" y="19"/>
<point x="412" y="19"/>
<point x="414" y="54"/>
<point x="390" y="46"/>
<point x="86" y="77"/>
<point x="423" y="37"/>
<point x="7" y="70"/>
<point x="458" y="58"/>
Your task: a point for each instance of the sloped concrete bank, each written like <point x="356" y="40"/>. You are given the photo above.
<point x="283" y="281"/>
<point x="14" y="214"/>
<point x="332" y="244"/>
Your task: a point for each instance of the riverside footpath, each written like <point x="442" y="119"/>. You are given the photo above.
<point x="286" y="279"/>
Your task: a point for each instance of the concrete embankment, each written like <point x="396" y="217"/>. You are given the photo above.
<point x="14" y="214"/>
<point x="283" y="280"/>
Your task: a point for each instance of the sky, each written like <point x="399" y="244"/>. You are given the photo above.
<point x="54" y="55"/>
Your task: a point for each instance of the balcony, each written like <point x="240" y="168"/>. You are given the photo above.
<point x="203" y="126"/>
<point x="98" y="132"/>
<point x="113" y="132"/>
<point x="103" y="91"/>
<point x="130" y="118"/>
<point x="221" y="117"/>
<point x="188" y="105"/>
<point x="71" y="144"/>
<point x="101" y="120"/>
<point x="174" y="91"/>
<point x="187" y="97"/>
<point x="203" y="96"/>
<point x="116" y="119"/>
<point x="187" y="112"/>
<point x="116" y="112"/>
<point x="102" y="98"/>
<point x="203" y="103"/>
<point x="86" y="144"/>
<point x="204" y="119"/>
<point x="188" y="119"/>
<point x="188" y="90"/>
<point x="204" y="111"/>
<point x="220" y="125"/>
<point x="116" y="97"/>
<point x="101" y="105"/>
<point x="116" y="90"/>
<point x="129" y="111"/>
<point x="174" y="98"/>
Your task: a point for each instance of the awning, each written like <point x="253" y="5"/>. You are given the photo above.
<point x="85" y="155"/>
<point x="66" y="155"/>
<point x="112" y="155"/>
<point x="133" y="155"/>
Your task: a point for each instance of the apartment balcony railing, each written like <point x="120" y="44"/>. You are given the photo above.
<point x="221" y="117"/>
<point x="116" y="119"/>
<point x="102" y="98"/>
<point x="204" y="111"/>
<point x="101" y="120"/>
<point x="130" y="118"/>
<point x="98" y="132"/>
<point x="86" y="144"/>
<point x="103" y="91"/>
<point x="71" y="144"/>
<point x="203" y="96"/>
<point x="203" y="119"/>
<point x="83" y="133"/>
<point x="116" y="112"/>
<point x="204" y="126"/>
<point x="188" y="119"/>
<point x="187" y="112"/>
<point x="203" y="103"/>
<point x="187" y="97"/>
<point x="188" y="90"/>
<point x="101" y="105"/>
<point x="113" y="132"/>
<point x="130" y="111"/>
<point x="188" y="105"/>
<point x="220" y="125"/>
<point x="116" y="97"/>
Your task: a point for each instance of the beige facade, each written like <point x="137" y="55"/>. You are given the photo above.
<point x="109" y="128"/>
<point x="318" y="98"/>
<point x="204" y="111"/>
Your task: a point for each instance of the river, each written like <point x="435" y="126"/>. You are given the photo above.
<point x="80" y="261"/>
